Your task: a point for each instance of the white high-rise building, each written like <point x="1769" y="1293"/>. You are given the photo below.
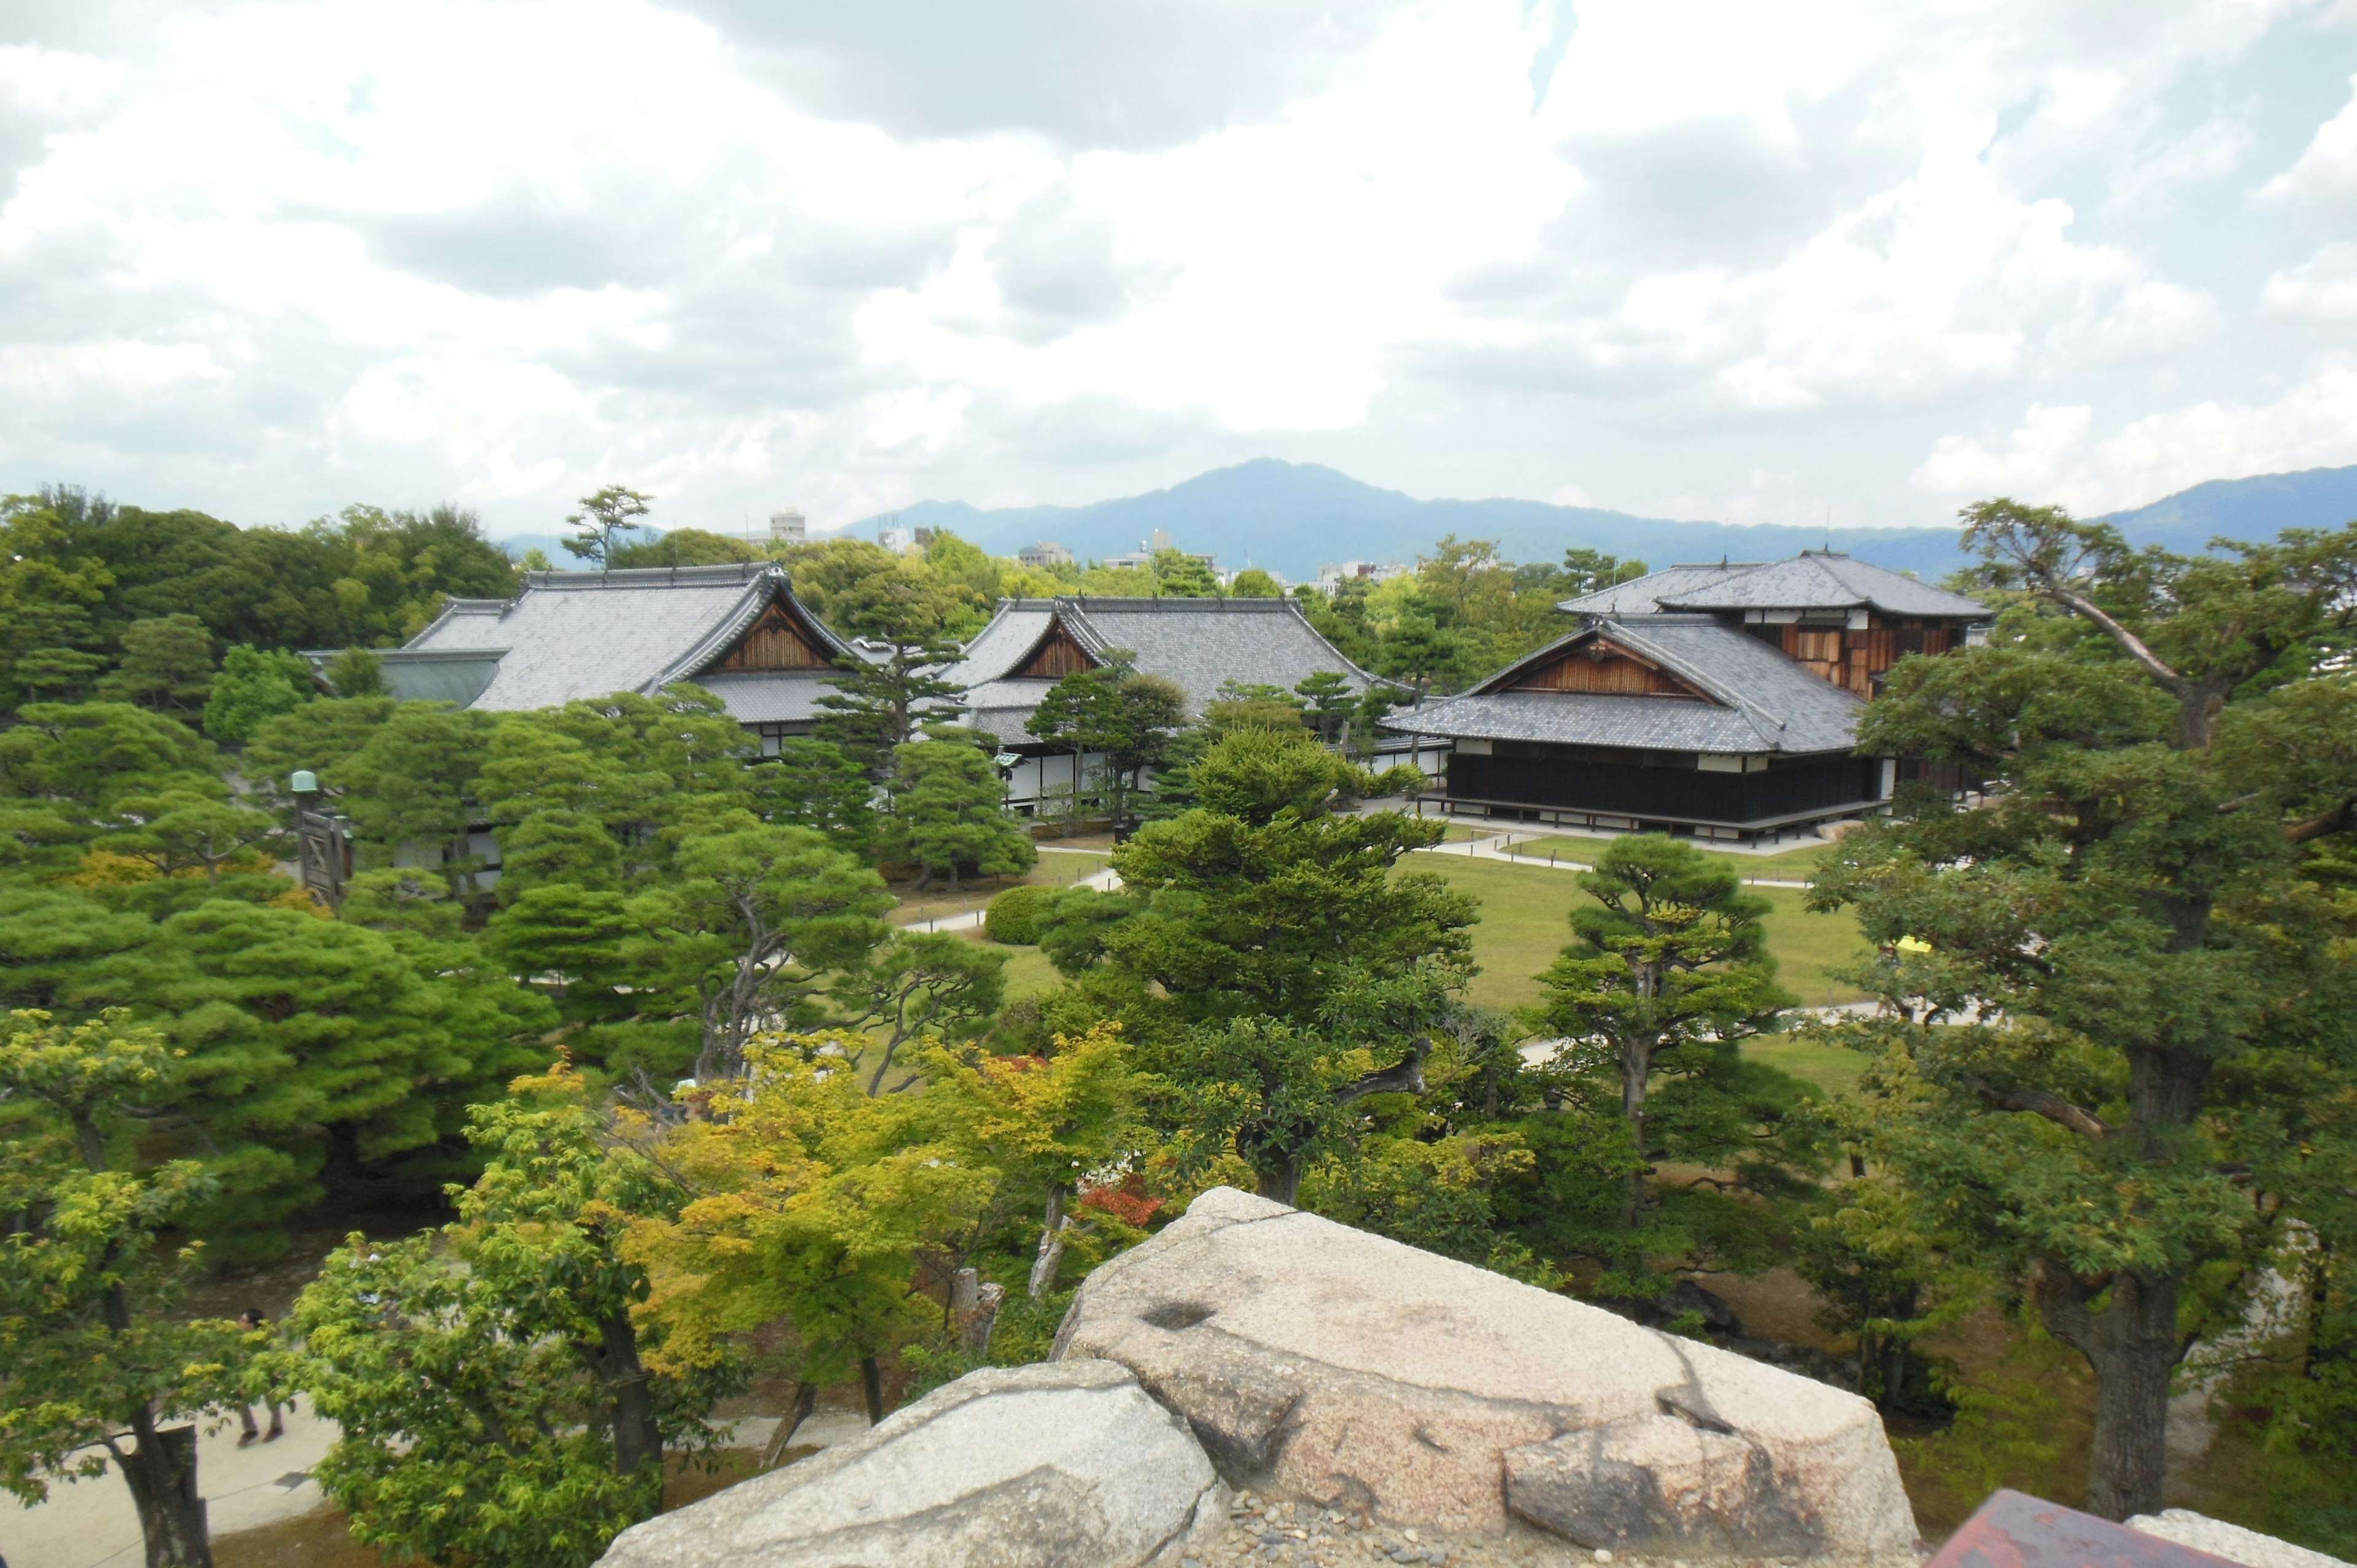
<point x="788" y="527"/>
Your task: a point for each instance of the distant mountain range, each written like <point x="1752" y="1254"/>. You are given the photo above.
<point x="1292" y="518"/>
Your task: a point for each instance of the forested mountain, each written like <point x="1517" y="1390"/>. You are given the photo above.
<point x="1293" y="517"/>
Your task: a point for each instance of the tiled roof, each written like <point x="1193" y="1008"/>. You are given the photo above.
<point x="572" y="635"/>
<point x="1198" y="644"/>
<point x="1812" y="580"/>
<point x="1761" y="701"/>
<point x="1641" y="595"/>
<point x="770" y="696"/>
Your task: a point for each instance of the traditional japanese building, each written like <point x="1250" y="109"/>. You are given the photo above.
<point x="1721" y="701"/>
<point x="737" y="631"/>
<point x="1200" y="645"/>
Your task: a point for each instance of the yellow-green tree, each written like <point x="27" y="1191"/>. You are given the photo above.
<point x="1045" y="1122"/>
<point x="814" y="1201"/>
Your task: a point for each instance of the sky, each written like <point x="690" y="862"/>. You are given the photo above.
<point x="1761" y="263"/>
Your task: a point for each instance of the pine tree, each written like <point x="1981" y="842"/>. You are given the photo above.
<point x="949" y="816"/>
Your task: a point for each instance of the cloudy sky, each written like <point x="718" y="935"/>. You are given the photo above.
<point x="1681" y="257"/>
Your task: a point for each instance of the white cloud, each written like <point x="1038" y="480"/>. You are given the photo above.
<point x="2323" y="287"/>
<point x="2321" y="187"/>
<point x="842" y="253"/>
<point x="2050" y="456"/>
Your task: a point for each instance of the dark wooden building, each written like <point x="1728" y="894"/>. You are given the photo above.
<point x="1720" y="701"/>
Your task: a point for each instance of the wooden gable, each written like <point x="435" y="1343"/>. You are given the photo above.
<point x="1599" y="665"/>
<point x="1055" y="655"/>
<point x="779" y="640"/>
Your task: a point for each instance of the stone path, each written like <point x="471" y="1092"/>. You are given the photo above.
<point x="1103" y="881"/>
<point x="92" y="1524"/>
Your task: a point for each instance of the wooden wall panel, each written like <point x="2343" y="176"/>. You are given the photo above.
<point x="775" y="642"/>
<point x="1057" y="656"/>
<point x="1601" y="667"/>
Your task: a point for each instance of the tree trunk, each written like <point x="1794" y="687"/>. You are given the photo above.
<point x="871" y="1383"/>
<point x="1281" y="1183"/>
<point x="1051" y="1247"/>
<point x="162" y="1476"/>
<point x="638" y="1439"/>
<point x="805" y="1401"/>
<point x="2132" y="1347"/>
<point x="1636" y="1070"/>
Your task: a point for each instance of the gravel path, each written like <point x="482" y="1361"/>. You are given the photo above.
<point x="1300" y="1535"/>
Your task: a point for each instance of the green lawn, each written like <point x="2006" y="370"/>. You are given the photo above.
<point x="1793" y="864"/>
<point x="1055" y="870"/>
<point x="1525" y="921"/>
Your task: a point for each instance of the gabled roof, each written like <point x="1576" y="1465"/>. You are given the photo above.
<point x="1198" y="644"/>
<point x="1641" y="595"/>
<point x="1812" y="580"/>
<point x="573" y="635"/>
<point x="1756" y="700"/>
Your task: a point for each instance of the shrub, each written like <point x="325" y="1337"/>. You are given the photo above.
<point x="1014" y="916"/>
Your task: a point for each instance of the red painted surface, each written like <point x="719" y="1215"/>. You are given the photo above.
<point x="2013" y="1530"/>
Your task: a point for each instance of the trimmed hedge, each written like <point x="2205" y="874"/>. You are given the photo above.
<point x="1013" y="917"/>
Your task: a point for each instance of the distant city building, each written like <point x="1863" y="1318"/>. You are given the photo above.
<point x="1330" y="578"/>
<point x="1047" y="552"/>
<point x="1154" y="545"/>
<point x="895" y="538"/>
<point x="788" y="527"/>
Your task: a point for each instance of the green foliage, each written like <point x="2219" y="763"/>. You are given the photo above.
<point x="167" y="665"/>
<point x="812" y="784"/>
<point x="254" y="686"/>
<point x="498" y="1396"/>
<point x="682" y="547"/>
<point x="75" y="572"/>
<point x="1126" y="718"/>
<point x="949" y="816"/>
<point x="409" y="788"/>
<point x="1254" y="584"/>
<point x="2132" y="899"/>
<point x="356" y="673"/>
<point x="1015" y="917"/>
<point x="1668" y="977"/>
<point x="1179" y="575"/>
<point x="744" y="928"/>
<point x="880" y="704"/>
<point x="815" y="1200"/>
<point x="614" y="509"/>
<point x="92" y="1347"/>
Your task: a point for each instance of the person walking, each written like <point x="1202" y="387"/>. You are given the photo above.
<point x="252" y="1321"/>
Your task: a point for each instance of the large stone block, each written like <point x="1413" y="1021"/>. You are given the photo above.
<point x="1364" y="1374"/>
<point x="1065" y="1465"/>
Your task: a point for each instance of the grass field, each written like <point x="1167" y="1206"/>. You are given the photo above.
<point x="1525" y="921"/>
<point x="1056" y="869"/>
<point x="1794" y="864"/>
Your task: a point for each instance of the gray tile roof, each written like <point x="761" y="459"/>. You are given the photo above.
<point x="1641" y="595"/>
<point x="770" y="696"/>
<point x="1816" y="580"/>
<point x="1198" y="644"/>
<point x="572" y="635"/>
<point x="1761" y="701"/>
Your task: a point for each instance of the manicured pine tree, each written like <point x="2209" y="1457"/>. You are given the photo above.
<point x="949" y="816"/>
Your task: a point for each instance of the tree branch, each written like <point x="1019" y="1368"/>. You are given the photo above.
<point x="2036" y="1101"/>
<point x="1406" y="1078"/>
<point x="2130" y="643"/>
